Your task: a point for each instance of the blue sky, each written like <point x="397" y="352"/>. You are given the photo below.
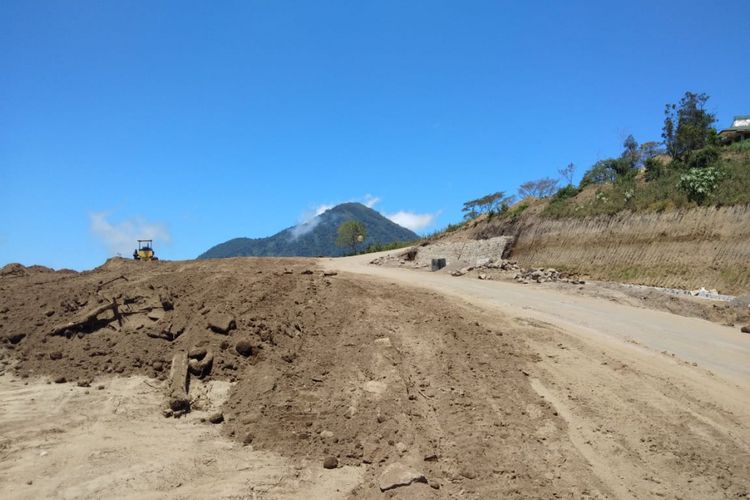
<point x="196" y="122"/>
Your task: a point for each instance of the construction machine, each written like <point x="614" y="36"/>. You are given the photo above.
<point x="145" y="250"/>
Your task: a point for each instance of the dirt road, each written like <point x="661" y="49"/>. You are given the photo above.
<point x="646" y="395"/>
<point x="720" y="349"/>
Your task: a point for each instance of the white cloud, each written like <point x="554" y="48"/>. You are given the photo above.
<point x="310" y="218"/>
<point x="413" y="221"/>
<point x="410" y="220"/>
<point x="370" y="201"/>
<point x="121" y="237"/>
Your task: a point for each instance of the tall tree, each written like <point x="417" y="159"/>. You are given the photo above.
<point x="489" y="203"/>
<point x="687" y="125"/>
<point x="631" y="155"/>
<point x="350" y="234"/>
<point x="567" y="173"/>
<point x="540" y="188"/>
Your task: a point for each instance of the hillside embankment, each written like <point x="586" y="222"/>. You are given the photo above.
<point x="699" y="247"/>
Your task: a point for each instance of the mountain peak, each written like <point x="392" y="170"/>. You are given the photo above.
<point x="316" y="237"/>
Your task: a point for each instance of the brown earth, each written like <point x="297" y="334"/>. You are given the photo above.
<point x="357" y="368"/>
<point x="691" y="248"/>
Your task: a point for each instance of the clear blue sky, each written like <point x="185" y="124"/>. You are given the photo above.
<point x="201" y="121"/>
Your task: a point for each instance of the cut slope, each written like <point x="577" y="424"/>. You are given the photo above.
<point x="692" y="248"/>
<point x="315" y="237"/>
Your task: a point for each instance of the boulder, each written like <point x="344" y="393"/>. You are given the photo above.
<point x="221" y="322"/>
<point x="244" y="348"/>
<point x="398" y="474"/>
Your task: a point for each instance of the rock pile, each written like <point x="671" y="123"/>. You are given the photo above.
<point x="542" y="275"/>
<point x="499" y="264"/>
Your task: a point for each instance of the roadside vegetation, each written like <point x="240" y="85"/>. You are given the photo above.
<point x="689" y="167"/>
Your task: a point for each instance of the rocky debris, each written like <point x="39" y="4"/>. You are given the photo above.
<point x="55" y="355"/>
<point x="328" y="274"/>
<point x="197" y="353"/>
<point x="330" y="463"/>
<point x="542" y="275"/>
<point x="15" y="338"/>
<point x="60" y="380"/>
<point x="745" y="329"/>
<point x="216" y="418"/>
<point x="170" y="332"/>
<point x="201" y="367"/>
<point x="244" y="348"/>
<point x="221" y="322"/>
<point x="398" y="474"/>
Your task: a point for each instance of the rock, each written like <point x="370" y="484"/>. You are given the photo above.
<point x="216" y="418"/>
<point x="457" y="273"/>
<point x="157" y="365"/>
<point x="401" y="447"/>
<point x="398" y="474"/>
<point x="244" y="348"/>
<point x="201" y="367"/>
<point x="330" y="463"/>
<point x="15" y="338"/>
<point x="84" y="383"/>
<point x="249" y="437"/>
<point x="482" y="276"/>
<point x="431" y="457"/>
<point x="306" y="271"/>
<point x="221" y="322"/>
<point x="55" y="355"/>
<point x="483" y="261"/>
<point x="49" y="312"/>
<point x="197" y="353"/>
<point x="60" y="380"/>
<point x="326" y="434"/>
<point x="155" y="314"/>
<point x="745" y="329"/>
<point x="468" y="473"/>
<point x="327" y="274"/>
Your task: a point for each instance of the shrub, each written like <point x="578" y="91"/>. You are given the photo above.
<point x="654" y="169"/>
<point x="699" y="183"/>
<point x="566" y="192"/>
<point x="703" y="158"/>
<point x="602" y="172"/>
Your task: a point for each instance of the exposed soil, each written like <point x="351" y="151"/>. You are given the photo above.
<point x="354" y="373"/>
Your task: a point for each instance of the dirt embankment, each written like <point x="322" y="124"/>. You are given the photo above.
<point x="700" y="247"/>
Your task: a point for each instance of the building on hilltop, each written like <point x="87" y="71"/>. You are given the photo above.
<point x="740" y="129"/>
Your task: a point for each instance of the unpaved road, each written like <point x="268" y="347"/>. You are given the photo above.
<point x="647" y="396"/>
<point x="720" y="349"/>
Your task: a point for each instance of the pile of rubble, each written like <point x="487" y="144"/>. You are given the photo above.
<point x="542" y="275"/>
<point x="487" y="263"/>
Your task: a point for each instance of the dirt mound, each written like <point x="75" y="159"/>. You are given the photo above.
<point x="325" y="365"/>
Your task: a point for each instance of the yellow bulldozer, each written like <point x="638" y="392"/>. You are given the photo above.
<point x="145" y="250"/>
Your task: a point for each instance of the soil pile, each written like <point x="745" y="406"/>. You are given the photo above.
<point x="326" y="366"/>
